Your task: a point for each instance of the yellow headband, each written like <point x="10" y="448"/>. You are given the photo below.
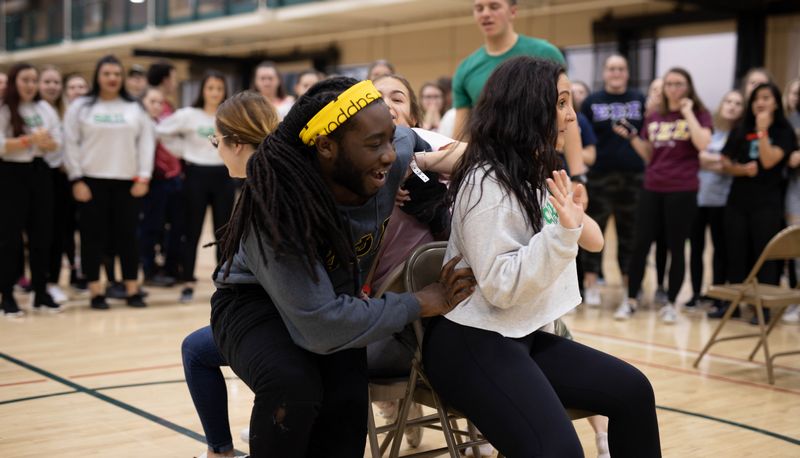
<point x="339" y="110"/>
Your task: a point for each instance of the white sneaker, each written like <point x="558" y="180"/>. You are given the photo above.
<point x="58" y="295"/>
<point x="591" y="296"/>
<point x="791" y="315"/>
<point x="485" y="449"/>
<point x="414" y="433"/>
<point x="244" y="435"/>
<point x="625" y="310"/>
<point x="601" y="439"/>
<point x="668" y="314"/>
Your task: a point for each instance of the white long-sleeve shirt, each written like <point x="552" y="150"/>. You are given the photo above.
<point x="525" y="279"/>
<point x="185" y="134"/>
<point x="111" y="139"/>
<point x="36" y="115"/>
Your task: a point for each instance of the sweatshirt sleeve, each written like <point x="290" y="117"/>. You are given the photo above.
<point x="52" y="124"/>
<point x="146" y="146"/>
<point x="5" y="119"/>
<point x="170" y="132"/>
<point x="72" y="136"/>
<point x="317" y="318"/>
<point x="509" y="265"/>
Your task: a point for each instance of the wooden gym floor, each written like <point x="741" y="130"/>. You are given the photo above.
<point x="85" y="383"/>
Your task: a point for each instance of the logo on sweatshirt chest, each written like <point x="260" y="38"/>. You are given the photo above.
<point x="33" y="121"/>
<point x="109" y="118"/>
<point x="205" y="131"/>
<point x="549" y="214"/>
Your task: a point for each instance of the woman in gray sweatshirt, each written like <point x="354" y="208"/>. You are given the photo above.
<point x="109" y="150"/>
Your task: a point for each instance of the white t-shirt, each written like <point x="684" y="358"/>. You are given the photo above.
<point x="185" y="134"/>
<point x="525" y="279"/>
<point x="110" y="139"/>
<point x="35" y="115"/>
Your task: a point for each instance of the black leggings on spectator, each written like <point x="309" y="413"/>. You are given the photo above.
<point x="306" y="405"/>
<point x="111" y="216"/>
<point x="515" y="391"/>
<point x="204" y="186"/>
<point x="26" y="205"/>
<point x="713" y="217"/>
<point x="747" y="231"/>
<point x="675" y="212"/>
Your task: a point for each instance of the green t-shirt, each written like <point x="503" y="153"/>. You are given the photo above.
<point x="472" y="73"/>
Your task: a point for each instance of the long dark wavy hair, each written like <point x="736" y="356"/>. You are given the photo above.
<point x="200" y="101"/>
<point x="748" y="122"/>
<point x="94" y="92"/>
<point x="12" y="98"/>
<point x="513" y="131"/>
<point x="285" y="202"/>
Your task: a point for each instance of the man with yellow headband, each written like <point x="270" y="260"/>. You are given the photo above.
<point x="288" y="315"/>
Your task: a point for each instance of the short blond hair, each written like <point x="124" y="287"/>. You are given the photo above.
<point x="246" y="118"/>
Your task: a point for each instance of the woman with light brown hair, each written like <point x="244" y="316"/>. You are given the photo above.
<point x="242" y="122"/>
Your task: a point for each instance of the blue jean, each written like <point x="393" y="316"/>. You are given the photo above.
<point x="160" y="206"/>
<point x="202" y="361"/>
<point x="201" y="366"/>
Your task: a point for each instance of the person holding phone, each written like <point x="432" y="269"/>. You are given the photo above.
<point x="670" y="144"/>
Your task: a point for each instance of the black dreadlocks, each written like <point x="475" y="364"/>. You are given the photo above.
<point x="285" y="201"/>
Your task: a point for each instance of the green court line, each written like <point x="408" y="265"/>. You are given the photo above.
<point x="788" y="439"/>
<point x="201" y="438"/>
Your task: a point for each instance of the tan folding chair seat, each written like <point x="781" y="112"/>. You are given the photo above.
<point x="784" y="245"/>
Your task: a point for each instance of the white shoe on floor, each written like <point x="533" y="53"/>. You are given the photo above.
<point x="668" y="314"/>
<point x="591" y="296"/>
<point x="244" y="435"/>
<point x="486" y="450"/>
<point x="601" y="439"/>
<point x="791" y="315"/>
<point x="625" y="310"/>
<point x="58" y="295"/>
<point x="414" y="433"/>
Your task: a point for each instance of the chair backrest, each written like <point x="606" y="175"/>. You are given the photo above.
<point x="424" y="265"/>
<point x="783" y="245"/>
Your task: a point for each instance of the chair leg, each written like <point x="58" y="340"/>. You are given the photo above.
<point x="713" y="338"/>
<point x="776" y="317"/>
<point x="402" y="415"/>
<point x="762" y="327"/>
<point x="473" y="436"/>
<point x="374" y="448"/>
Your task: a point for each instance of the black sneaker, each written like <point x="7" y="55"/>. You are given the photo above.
<point x="116" y="290"/>
<point x="99" y="303"/>
<point x="160" y="281"/>
<point x="136" y="300"/>
<point x="694" y="303"/>
<point x="187" y="295"/>
<point x="10" y="307"/>
<point x="77" y="282"/>
<point x="45" y="302"/>
<point x="719" y="311"/>
<point x="754" y="319"/>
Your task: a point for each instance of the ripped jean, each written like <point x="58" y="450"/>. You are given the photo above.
<point x="306" y="405"/>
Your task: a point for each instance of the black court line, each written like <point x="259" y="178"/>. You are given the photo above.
<point x="122" y="405"/>
<point x="788" y="439"/>
<point x="195" y="435"/>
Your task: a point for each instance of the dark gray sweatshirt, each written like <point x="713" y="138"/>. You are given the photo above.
<point x="325" y="317"/>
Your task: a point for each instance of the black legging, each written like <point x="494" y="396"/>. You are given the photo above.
<point x="515" y="391"/>
<point x="748" y="229"/>
<point x="713" y="217"/>
<point x="306" y="405"/>
<point x="204" y="186"/>
<point x="26" y="205"/>
<point x="110" y="217"/>
<point x="674" y="211"/>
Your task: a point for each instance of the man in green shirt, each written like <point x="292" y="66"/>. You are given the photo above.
<point x="501" y="42"/>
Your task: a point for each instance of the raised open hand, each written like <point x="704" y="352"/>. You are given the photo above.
<point x="567" y="199"/>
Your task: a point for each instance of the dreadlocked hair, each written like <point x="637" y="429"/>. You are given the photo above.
<point x="284" y="201"/>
